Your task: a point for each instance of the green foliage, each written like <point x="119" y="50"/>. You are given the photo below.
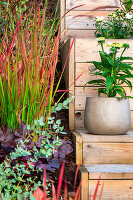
<point x="119" y="25"/>
<point x="113" y="71"/>
<point x="15" y="173"/>
<point x="27" y="71"/>
<point x="127" y="5"/>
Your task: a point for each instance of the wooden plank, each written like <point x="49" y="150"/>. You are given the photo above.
<point x="87" y="49"/>
<point x="84" y="183"/>
<point x="80" y="96"/>
<point x="62" y="13"/>
<point x="77" y="139"/>
<point x="91" y="4"/>
<point x="113" y="189"/>
<point x="69" y="78"/>
<point x="90" y="138"/>
<point x="104" y="153"/>
<point x="83" y="19"/>
<point x="110" y="171"/>
<point x="79" y="33"/>
<point x="84" y="69"/>
<point x="79" y="121"/>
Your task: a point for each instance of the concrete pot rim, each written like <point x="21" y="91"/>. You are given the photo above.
<point x="115" y="98"/>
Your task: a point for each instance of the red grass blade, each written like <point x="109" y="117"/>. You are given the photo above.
<point x="76" y="175"/>
<point x="101" y="192"/>
<point x="1" y="196"/>
<point x="65" y="190"/>
<point x="77" y="196"/>
<point x="96" y="189"/>
<point x="60" y="181"/>
<point x="11" y="45"/>
<point x="72" y="9"/>
<point x="45" y="192"/>
<point x="54" y="192"/>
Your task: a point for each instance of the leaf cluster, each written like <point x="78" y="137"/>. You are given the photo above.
<point x="114" y="72"/>
<point x="117" y="26"/>
<point x="38" y="147"/>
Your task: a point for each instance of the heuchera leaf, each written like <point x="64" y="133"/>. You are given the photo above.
<point x="38" y="194"/>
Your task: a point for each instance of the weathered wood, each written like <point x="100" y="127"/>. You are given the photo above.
<point x="69" y="77"/>
<point x="62" y="13"/>
<point x="79" y="33"/>
<point x="78" y="146"/>
<point x="79" y="121"/>
<point x="87" y="49"/>
<point x="91" y="138"/>
<point x="110" y="171"/>
<point x="116" y="180"/>
<point x="91" y="4"/>
<point x="83" y="19"/>
<point x="113" y="189"/>
<point x="84" y="183"/>
<point x="104" y="153"/>
<point x="84" y="69"/>
<point x="80" y="96"/>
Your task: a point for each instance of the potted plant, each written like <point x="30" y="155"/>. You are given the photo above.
<point x="110" y="114"/>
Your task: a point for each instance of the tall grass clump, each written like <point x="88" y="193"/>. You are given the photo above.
<point x="27" y="70"/>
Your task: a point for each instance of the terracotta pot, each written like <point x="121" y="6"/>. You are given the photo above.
<point x="107" y="116"/>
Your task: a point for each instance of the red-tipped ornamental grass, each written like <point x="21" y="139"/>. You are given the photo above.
<point x="42" y="195"/>
<point x="27" y="72"/>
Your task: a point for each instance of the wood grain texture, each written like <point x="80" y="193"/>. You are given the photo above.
<point x="84" y="69"/>
<point x="78" y="147"/>
<point x="91" y="138"/>
<point x="79" y="120"/>
<point x="113" y="189"/>
<point x="84" y="180"/>
<point x="87" y="49"/>
<point x="80" y="96"/>
<point x="90" y="5"/>
<point x="79" y="33"/>
<point x="83" y="19"/>
<point x="110" y="171"/>
<point x="62" y="13"/>
<point x="104" y="153"/>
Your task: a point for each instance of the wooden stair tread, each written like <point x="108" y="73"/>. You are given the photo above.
<point x="116" y="180"/>
<point x="110" y="168"/>
<point x="86" y="137"/>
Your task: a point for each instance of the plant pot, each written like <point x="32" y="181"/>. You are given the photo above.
<point x="107" y="116"/>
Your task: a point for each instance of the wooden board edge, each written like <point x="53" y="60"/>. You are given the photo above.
<point x="78" y="147"/>
<point x="62" y="13"/>
<point x="72" y="86"/>
<point x="84" y="183"/>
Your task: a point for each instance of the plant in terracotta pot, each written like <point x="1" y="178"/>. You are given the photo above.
<point x="110" y="114"/>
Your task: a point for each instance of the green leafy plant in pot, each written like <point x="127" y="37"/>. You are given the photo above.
<point x="110" y="114"/>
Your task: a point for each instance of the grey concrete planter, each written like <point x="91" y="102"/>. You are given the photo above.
<point x="107" y="116"/>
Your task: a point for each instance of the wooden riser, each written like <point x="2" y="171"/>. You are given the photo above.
<point x="116" y="180"/>
<point x="78" y="69"/>
<point x="100" y="149"/>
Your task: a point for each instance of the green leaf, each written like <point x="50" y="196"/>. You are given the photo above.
<point x="98" y="65"/>
<point x="28" y="127"/>
<point x="105" y="62"/>
<point x="126" y="58"/>
<point x="101" y="91"/>
<point x="109" y="82"/>
<point x="106" y="71"/>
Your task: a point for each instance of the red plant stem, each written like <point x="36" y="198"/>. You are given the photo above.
<point x="96" y="189"/>
<point x="77" y="170"/>
<point x="60" y="181"/>
<point x="11" y="45"/>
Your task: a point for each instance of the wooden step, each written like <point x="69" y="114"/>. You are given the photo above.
<point x="101" y="149"/>
<point x="116" y="180"/>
